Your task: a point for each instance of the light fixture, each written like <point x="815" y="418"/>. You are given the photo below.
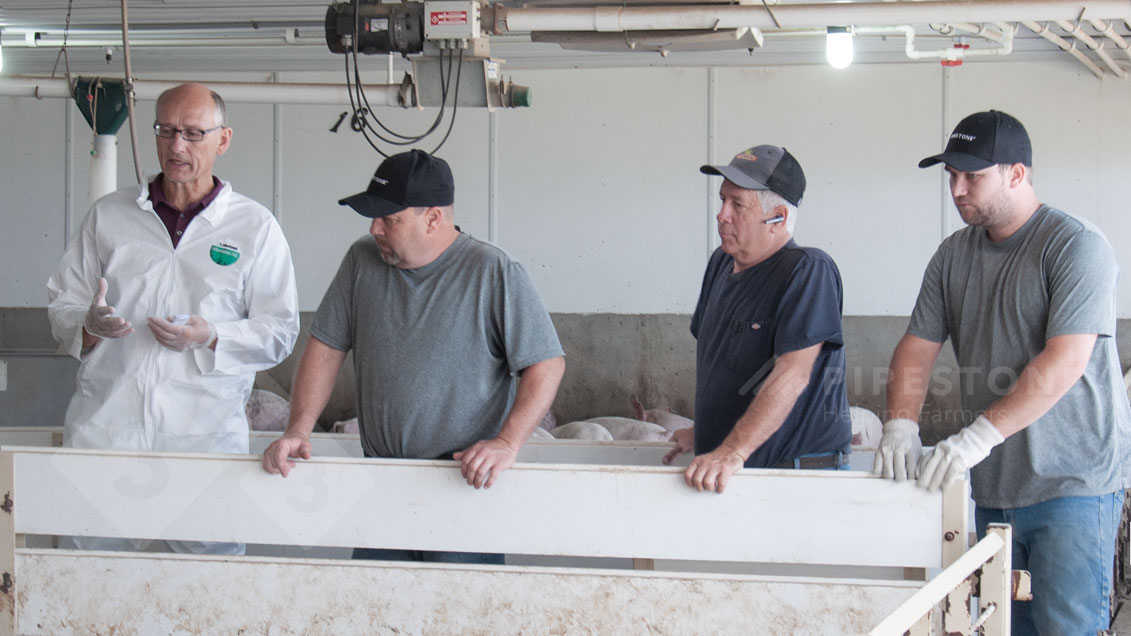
<point x="1" y="56"/>
<point x="838" y="46"/>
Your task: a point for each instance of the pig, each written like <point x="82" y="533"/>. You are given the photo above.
<point x="582" y="430"/>
<point x="628" y="429"/>
<point x="540" y="433"/>
<point x="548" y="422"/>
<point x="345" y="426"/>
<point x="866" y="428"/>
<point x="662" y="416"/>
<point x="267" y="411"/>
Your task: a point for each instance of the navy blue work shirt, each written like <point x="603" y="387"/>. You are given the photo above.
<point x="790" y="301"/>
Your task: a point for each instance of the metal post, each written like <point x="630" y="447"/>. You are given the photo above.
<point x="995" y="589"/>
<point x="8" y="541"/>
<point x="955" y="521"/>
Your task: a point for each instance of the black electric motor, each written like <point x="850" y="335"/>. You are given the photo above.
<point x="377" y="28"/>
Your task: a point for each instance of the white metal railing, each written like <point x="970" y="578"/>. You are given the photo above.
<point x="816" y="517"/>
<point x="986" y="567"/>
<point x="837" y="524"/>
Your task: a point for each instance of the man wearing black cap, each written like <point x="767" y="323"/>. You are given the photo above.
<point x="440" y="324"/>
<point x="769" y="390"/>
<point x="1026" y="294"/>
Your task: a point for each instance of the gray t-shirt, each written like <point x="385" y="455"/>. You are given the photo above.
<point x="1000" y="303"/>
<point x="435" y="349"/>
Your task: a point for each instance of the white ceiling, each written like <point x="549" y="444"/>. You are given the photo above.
<point x="212" y="24"/>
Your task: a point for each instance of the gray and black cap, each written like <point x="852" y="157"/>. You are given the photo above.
<point x="764" y="168"/>
<point x="985" y="139"/>
<point x="413" y="179"/>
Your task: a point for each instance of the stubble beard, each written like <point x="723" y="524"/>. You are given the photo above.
<point x="994" y="213"/>
<point x="388" y="255"/>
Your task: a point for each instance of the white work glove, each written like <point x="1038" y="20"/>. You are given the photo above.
<point x="952" y="456"/>
<point x="100" y="320"/>
<point x="194" y="333"/>
<point x="899" y="451"/>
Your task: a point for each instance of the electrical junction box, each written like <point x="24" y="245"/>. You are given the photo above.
<point x="451" y="20"/>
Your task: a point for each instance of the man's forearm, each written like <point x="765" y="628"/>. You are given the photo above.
<point x="1042" y="383"/>
<point x="536" y="390"/>
<point x="909" y="376"/>
<point x="773" y="403"/>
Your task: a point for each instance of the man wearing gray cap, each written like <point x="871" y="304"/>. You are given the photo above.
<point x="1026" y="294"/>
<point x="440" y="325"/>
<point x="769" y="390"/>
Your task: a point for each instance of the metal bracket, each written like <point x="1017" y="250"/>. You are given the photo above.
<point x="7" y="505"/>
<point x="407" y="95"/>
<point x="7" y="585"/>
<point x="1022" y="587"/>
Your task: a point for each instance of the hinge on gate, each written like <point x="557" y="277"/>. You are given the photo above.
<point x="6" y="586"/>
<point x="7" y="505"/>
<point x="1022" y="586"/>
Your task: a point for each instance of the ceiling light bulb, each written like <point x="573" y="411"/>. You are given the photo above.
<point x="838" y="46"/>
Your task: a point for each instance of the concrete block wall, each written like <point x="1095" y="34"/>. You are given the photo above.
<point x="609" y="357"/>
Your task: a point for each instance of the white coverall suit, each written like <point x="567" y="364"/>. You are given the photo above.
<point x="232" y="267"/>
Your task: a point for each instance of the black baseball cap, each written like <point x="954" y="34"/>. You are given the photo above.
<point x="764" y="168"/>
<point x="985" y="139"/>
<point x="413" y="179"/>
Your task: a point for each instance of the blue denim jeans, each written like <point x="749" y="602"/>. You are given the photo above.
<point x="428" y="556"/>
<point x="1068" y="545"/>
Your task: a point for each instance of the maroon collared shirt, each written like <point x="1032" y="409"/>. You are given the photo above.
<point x="177" y="220"/>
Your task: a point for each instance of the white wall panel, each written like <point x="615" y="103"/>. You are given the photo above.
<point x="32" y="192"/>
<point x="1111" y="178"/>
<point x="248" y="162"/>
<point x="598" y="191"/>
<point x="320" y="167"/>
<point x="856" y="135"/>
<point x="601" y="192"/>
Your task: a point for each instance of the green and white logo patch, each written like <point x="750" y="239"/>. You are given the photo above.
<point x="224" y="254"/>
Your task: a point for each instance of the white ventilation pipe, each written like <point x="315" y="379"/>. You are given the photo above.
<point x="1107" y="29"/>
<point x="103" y="166"/>
<point x="1075" y="31"/>
<point x="943" y="54"/>
<point x="1064" y="45"/>
<point x="149" y="40"/>
<point x="234" y="92"/>
<point x="979" y="30"/>
<point x="612" y="18"/>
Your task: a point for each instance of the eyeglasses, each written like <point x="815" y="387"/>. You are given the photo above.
<point x="188" y="134"/>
